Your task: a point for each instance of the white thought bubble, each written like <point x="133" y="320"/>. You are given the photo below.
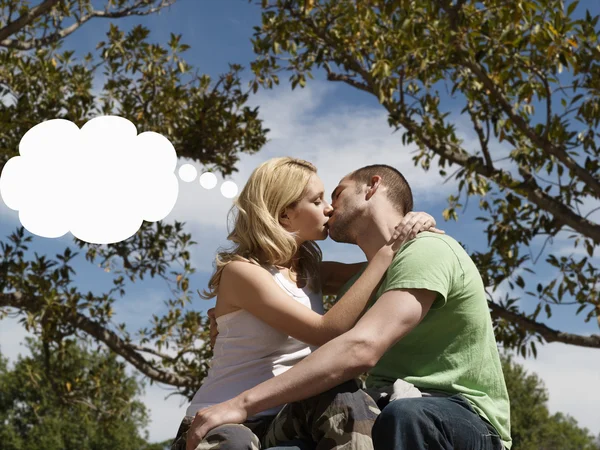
<point x="188" y="173"/>
<point x="208" y="180"/>
<point x="229" y="189"/>
<point x="99" y="182"/>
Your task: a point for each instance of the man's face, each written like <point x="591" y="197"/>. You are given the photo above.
<point x="343" y="220"/>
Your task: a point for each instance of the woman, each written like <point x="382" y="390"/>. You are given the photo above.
<point x="269" y="290"/>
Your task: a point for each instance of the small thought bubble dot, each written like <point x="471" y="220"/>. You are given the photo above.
<point x="208" y="180"/>
<point x="229" y="189"/>
<point x="188" y="173"/>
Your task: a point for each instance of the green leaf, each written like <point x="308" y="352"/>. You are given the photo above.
<point x="572" y="7"/>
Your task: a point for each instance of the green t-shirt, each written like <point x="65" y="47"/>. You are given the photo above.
<point x="453" y="349"/>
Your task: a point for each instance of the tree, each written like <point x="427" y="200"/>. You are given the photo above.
<point x="532" y="426"/>
<point x="152" y="86"/>
<point x="86" y="402"/>
<point x="524" y="76"/>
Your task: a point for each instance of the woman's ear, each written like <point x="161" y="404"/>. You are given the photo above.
<point x="284" y="219"/>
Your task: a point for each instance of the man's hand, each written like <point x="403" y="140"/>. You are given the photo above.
<point x="210" y="418"/>
<point x="214" y="332"/>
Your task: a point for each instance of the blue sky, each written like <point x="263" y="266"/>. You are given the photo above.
<point x="338" y="129"/>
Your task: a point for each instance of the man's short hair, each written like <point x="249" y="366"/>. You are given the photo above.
<point x="398" y="190"/>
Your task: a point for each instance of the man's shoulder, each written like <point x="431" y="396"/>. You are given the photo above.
<point x="430" y="238"/>
<point x="427" y="243"/>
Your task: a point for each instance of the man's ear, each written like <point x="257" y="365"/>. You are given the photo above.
<point x="373" y="186"/>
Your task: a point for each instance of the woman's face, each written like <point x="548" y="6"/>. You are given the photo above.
<point x="309" y="216"/>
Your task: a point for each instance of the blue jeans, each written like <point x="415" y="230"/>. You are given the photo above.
<point x="433" y="423"/>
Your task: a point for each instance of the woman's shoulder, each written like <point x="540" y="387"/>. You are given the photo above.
<point x="237" y="279"/>
<point x="244" y="269"/>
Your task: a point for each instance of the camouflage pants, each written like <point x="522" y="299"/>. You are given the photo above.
<point x="225" y="437"/>
<point x="339" y="419"/>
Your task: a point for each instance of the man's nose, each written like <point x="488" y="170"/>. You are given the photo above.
<point x="328" y="210"/>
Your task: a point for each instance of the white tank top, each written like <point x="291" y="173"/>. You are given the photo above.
<point x="248" y="351"/>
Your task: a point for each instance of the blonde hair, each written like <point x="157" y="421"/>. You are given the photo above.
<point x="258" y="236"/>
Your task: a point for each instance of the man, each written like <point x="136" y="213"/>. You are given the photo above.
<point x="429" y="325"/>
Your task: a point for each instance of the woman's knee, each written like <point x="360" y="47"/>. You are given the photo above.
<point x="230" y="437"/>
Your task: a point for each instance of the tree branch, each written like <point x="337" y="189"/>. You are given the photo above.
<point x="537" y="140"/>
<point x="331" y="76"/>
<point x="36" y="43"/>
<point x="534" y="193"/>
<point x="102" y="334"/>
<point x="149" y="350"/>
<point x="482" y="139"/>
<point x="529" y="187"/>
<point x="24" y="20"/>
<point x="548" y="103"/>
<point x="549" y="334"/>
<point x="540" y="141"/>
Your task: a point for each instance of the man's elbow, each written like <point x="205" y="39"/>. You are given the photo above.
<point x="363" y="353"/>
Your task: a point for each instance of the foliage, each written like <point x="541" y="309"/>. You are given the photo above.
<point x="523" y="74"/>
<point x="150" y="84"/>
<point x="86" y="402"/>
<point x="143" y="82"/>
<point x="523" y="77"/>
<point x="532" y="425"/>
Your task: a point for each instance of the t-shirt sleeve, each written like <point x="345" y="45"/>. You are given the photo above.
<point x="428" y="263"/>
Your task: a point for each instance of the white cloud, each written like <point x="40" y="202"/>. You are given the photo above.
<point x="12" y="339"/>
<point x="8" y="216"/>
<point x="337" y="142"/>
<point x="563" y="244"/>
<point x="340" y="140"/>
<point x="165" y="413"/>
<point x="347" y="253"/>
<point x="141" y="305"/>
<point x="572" y="376"/>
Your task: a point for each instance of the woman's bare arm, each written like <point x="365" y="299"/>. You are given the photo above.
<point x="335" y="274"/>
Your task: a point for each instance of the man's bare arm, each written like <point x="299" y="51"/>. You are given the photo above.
<point x="392" y="317"/>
